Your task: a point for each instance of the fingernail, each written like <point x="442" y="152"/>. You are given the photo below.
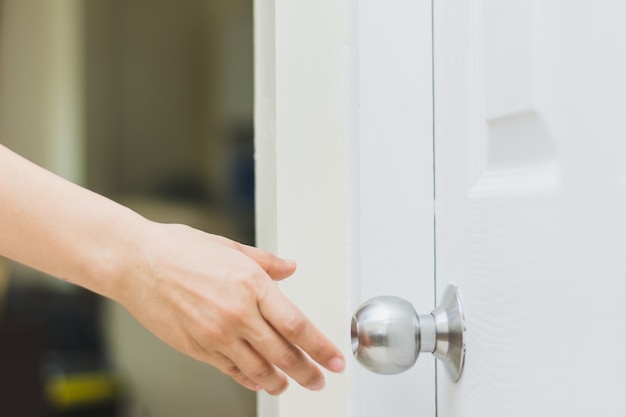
<point x="319" y="385"/>
<point x="257" y="388"/>
<point x="337" y="364"/>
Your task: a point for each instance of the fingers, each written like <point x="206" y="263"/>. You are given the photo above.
<point x="250" y="366"/>
<point x="277" y="268"/>
<point x="291" y="324"/>
<point x="228" y="367"/>
<point x="274" y="339"/>
<point x="286" y="356"/>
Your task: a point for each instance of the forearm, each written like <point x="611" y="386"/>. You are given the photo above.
<point x="64" y="230"/>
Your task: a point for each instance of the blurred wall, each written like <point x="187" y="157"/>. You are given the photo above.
<point x="146" y="100"/>
<point x="120" y="95"/>
<point x="168" y="84"/>
<point x="41" y="88"/>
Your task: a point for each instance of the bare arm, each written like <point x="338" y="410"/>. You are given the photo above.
<point x="205" y="295"/>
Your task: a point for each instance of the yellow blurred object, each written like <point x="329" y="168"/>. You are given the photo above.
<point x="76" y="390"/>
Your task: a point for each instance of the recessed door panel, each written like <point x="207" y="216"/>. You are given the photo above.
<point x="529" y="145"/>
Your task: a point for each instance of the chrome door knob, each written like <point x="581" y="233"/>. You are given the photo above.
<point x="388" y="335"/>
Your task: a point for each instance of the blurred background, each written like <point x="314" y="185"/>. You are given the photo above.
<point x="149" y="102"/>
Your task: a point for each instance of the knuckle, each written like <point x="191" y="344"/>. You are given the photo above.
<point x="223" y="240"/>
<point x="196" y="348"/>
<point x="250" y="283"/>
<point x="264" y="257"/>
<point x="262" y="373"/>
<point x="207" y="334"/>
<point x="234" y="372"/>
<point x="290" y="359"/>
<point x="312" y="380"/>
<point x="294" y="327"/>
<point x="237" y="314"/>
<point x="229" y="242"/>
<point x="247" y="283"/>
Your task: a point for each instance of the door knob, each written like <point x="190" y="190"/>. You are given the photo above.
<point x="388" y="335"/>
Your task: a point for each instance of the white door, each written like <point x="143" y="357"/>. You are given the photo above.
<point x="530" y="156"/>
<point x="520" y="202"/>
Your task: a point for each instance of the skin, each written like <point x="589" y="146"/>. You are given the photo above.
<point x="209" y="297"/>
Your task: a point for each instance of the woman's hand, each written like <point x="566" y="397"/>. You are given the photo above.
<point x="215" y="300"/>
<point x="205" y="295"/>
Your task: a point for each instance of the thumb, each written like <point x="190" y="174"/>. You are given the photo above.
<point x="277" y="268"/>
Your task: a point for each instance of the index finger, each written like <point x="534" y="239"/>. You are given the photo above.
<point x="293" y="325"/>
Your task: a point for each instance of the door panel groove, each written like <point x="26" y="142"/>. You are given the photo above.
<point x="432" y="59"/>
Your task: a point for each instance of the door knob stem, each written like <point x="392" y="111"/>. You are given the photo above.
<point x="428" y="332"/>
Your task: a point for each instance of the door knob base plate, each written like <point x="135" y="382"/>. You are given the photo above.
<point x="450" y="325"/>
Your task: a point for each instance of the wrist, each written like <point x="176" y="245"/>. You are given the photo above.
<point x="123" y="258"/>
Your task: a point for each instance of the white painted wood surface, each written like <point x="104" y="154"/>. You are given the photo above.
<point x="303" y="99"/>
<point x="394" y="205"/>
<point x="345" y="178"/>
<point x="530" y="149"/>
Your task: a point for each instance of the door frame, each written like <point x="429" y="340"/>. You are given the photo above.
<point x="344" y="162"/>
